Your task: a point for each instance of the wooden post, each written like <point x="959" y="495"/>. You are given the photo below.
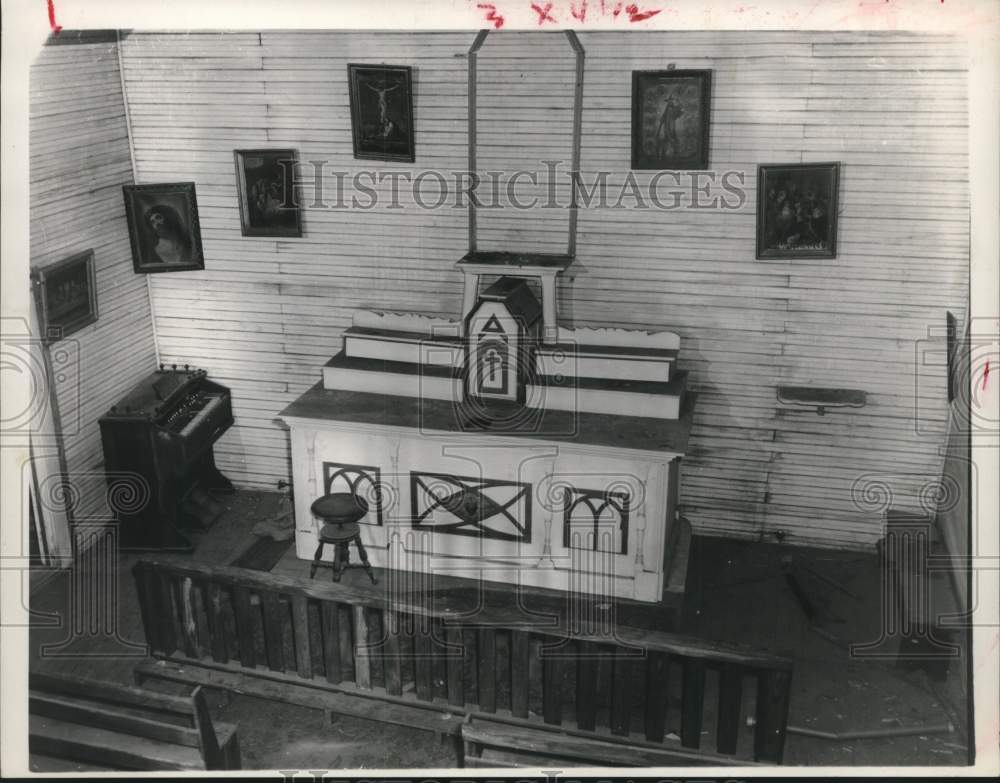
<point x="550" y="325"/>
<point x="551" y="690"/>
<point x="392" y="663"/>
<point x="692" y="702"/>
<point x="212" y="593"/>
<point x="621" y="692"/>
<point x="362" y="662"/>
<point x="772" y="715"/>
<point x="487" y="670"/>
<point x="455" y="667"/>
<point x="469" y="292"/>
<point x="471" y="109"/>
<point x="330" y="629"/>
<point x="273" y="627"/>
<point x="422" y="668"/>
<point x="300" y="631"/>
<point x="657" y="695"/>
<point x="730" y="701"/>
<point x="144" y="590"/>
<point x="586" y="686"/>
<point x="244" y="626"/>
<point x="520" y="651"/>
<point x="208" y="743"/>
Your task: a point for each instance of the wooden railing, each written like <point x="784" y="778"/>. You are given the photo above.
<point x="634" y="685"/>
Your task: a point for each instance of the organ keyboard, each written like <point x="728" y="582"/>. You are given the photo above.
<point x="162" y="433"/>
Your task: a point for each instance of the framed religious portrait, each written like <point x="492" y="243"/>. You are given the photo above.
<point x="670" y="119"/>
<point x="382" y="112"/>
<point x="269" y="205"/>
<point x="163" y="227"/>
<point x="797" y="210"/>
<point x="66" y="295"/>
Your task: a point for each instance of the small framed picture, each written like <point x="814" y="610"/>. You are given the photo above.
<point x="670" y="119"/>
<point x="797" y="210"/>
<point x="382" y="111"/>
<point x="66" y="294"/>
<point x="269" y="205"/>
<point x="163" y="227"/>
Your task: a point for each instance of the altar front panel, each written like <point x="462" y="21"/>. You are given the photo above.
<point x="521" y="511"/>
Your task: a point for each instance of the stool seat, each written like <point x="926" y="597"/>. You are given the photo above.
<point x="340" y="508"/>
<point x="340" y="511"/>
<point x="333" y="534"/>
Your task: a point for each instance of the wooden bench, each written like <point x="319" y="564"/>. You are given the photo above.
<point x="124" y="727"/>
<point x="490" y="743"/>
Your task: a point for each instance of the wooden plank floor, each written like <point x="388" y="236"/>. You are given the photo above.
<point x="736" y="592"/>
<point x="110" y="654"/>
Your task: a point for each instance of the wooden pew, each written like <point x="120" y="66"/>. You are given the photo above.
<point x="123" y="727"/>
<point x="496" y="744"/>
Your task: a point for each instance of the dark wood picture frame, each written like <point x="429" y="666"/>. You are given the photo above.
<point x="797" y="205"/>
<point x="671" y="119"/>
<point x="66" y="295"/>
<point x="382" y="112"/>
<point x="163" y="227"/>
<point x="951" y="334"/>
<point x="268" y="196"/>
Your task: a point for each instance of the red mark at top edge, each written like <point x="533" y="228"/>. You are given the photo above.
<point x="986" y="374"/>
<point x="543" y="13"/>
<point x="635" y="15"/>
<point x="52" y="18"/>
<point x="491" y="14"/>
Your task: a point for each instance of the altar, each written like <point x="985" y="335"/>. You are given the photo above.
<point x="504" y="446"/>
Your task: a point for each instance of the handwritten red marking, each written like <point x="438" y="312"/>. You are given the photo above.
<point x="52" y="18"/>
<point x="491" y="14"/>
<point x="635" y="15"/>
<point x="986" y="371"/>
<point x="614" y="11"/>
<point x="543" y="13"/>
<point x="580" y="14"/>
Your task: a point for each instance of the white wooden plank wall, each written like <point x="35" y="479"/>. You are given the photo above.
<point x="79" y="160"/>
<point x="265" y="314"/>
<point x="892" y="110"/>
<point x="524" y="116"/>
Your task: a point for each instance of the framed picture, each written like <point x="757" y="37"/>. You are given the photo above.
<point x="381" y="112"/>
<point x="66" y="294"/>
<point x="670" y="119"/>
<point x="951" y="323"/>
<point x="269" y="205"/>
<point x="163" y="227"/>
<point x="797" y="210"/>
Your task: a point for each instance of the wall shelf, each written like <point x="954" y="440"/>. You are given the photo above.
<point x="821" y="399"/>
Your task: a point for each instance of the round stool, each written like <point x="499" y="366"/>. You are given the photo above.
<point x="340" y="511"/>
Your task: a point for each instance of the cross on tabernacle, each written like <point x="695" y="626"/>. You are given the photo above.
<point x="493" y="361"/>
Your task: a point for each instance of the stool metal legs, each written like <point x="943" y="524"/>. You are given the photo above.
<point x="316" y="560"/>
<point x="342" y="557"/>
